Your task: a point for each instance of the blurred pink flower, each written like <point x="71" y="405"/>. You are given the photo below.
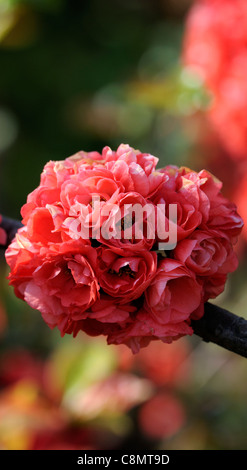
<point x="116" y="394"/>
<point x="18" y="365"/>
<point x="162" y="416"/>
<point x="3" y="234"/>
<point x="170" y="367"/>
<point x="215" y="44"/>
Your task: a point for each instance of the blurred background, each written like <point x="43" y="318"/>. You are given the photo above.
<point x="79" y="75"/>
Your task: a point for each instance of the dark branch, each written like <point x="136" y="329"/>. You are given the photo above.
<point x="10" y="226"/>
<point x="223" y="328"/>
<point x="217" y="324"/>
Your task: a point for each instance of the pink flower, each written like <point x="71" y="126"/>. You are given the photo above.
<point x="183" y="188"/>
<point x="200" y="203"/>
<point x="104" y="317"/>
<point x="205" y="253"/>
<point x="54" y="176"/>
<point x="224" y="218"/>
<point x="125" y="277"/>
<point x="60" y="281"/>
<point x="43" y="226"/>
<point x="172" y="300"/>
<point x="221" y="214"/>
<point x="79" y="189"/>
<point x="129" y="223"/>
<point x="144" y="328"/>
<point x="136" y="171"/>
<point x="83" y="198"/>
<point x="210" y="256"/>
<point x="174" y="294"/>
<point x="48" y="191"/>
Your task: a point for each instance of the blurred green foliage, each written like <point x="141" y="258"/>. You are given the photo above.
<point x="85" y="74"/>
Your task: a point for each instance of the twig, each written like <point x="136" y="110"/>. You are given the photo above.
<point x="223" y="328"/>
<point x="217" y="325"/>
<point x="10" y="226"/>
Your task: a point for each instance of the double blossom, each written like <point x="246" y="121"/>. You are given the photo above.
<point x="89" y="262"/>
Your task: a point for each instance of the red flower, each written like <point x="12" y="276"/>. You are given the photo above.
<point x="129" y="223"/>
<point x="210" y="256"/>
<point x="125" y="277"/>
<point x="174" y="294"/>
<point x="133" y="169"/>
<point x="59" y="280"/>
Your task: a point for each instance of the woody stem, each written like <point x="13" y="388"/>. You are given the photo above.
<point x="10" y="226"/>
<point x="223" y="328"/>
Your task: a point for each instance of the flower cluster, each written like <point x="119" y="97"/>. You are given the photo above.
<point x="129" y="289"/>
<point x="215" y="47"/>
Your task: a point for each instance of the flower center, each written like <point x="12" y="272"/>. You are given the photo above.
<point x="124" y="270"/>
<point x="99" y="199"/>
